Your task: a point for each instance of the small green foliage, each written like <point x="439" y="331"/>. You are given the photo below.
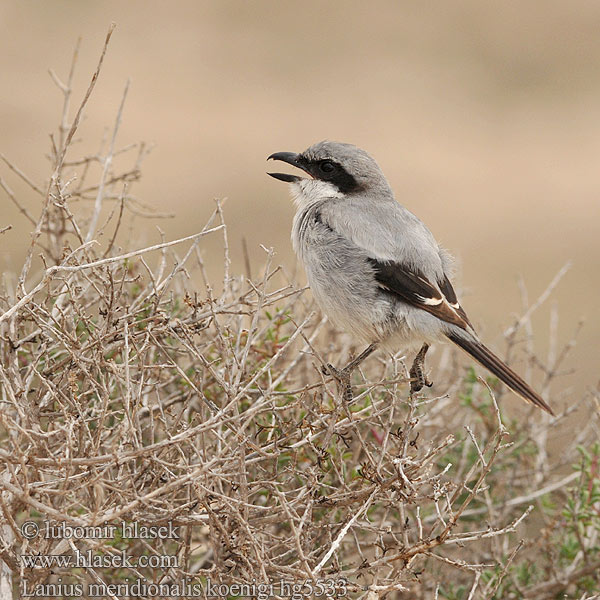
<point x="453" y="592"/>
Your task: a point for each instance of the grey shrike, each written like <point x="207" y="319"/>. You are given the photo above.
<point x="374" y="268"/>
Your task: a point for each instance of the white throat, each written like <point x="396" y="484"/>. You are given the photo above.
<point x="309" y="191"/>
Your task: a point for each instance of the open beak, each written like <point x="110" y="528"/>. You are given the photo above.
<point x="292" y="159"/>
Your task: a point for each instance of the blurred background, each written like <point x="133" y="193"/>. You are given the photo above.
<point x="484" y="116"/>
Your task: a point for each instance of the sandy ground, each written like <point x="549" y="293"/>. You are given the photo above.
<point x="484" y="117"/>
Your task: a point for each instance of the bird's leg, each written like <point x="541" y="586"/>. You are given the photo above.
<point x="417" y="371"/>
<point x="342" y="376"/>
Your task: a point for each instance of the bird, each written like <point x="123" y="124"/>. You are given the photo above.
<point x="374" y="268"/>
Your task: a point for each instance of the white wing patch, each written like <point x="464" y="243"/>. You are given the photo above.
<point x="430" y="301"/>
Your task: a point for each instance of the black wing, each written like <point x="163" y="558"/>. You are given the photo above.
<point x="450" y="295"/>
<point x="415" y="289"/>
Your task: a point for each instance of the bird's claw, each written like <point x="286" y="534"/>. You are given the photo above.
<point x="418" y="377"/>
<point x="330" y="370"/>
<point x="417" y="383"/>
<point x="342" y="376"/>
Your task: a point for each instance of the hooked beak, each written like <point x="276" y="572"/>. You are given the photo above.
<point x="292" y="159"/>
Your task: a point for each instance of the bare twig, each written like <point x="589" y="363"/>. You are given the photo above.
<point x="134" y="389"/>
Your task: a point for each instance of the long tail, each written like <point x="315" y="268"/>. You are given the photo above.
<point x="490" y="361"/>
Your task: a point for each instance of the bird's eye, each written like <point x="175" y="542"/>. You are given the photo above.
<point x="327" y="166"/>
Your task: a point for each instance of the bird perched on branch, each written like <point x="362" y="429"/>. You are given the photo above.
<point x="374" y="268"/>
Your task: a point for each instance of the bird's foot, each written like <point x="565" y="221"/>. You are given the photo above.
<point x="342" y="376"/>
<point x="418" y="380"/>
<point x="418" y="377"/>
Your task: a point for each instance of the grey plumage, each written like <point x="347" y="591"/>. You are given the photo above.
<point x="374" y="268"/>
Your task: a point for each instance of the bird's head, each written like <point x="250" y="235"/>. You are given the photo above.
<point x="335" y="169"/>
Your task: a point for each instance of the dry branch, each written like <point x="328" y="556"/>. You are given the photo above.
<point x="131" y="392"/>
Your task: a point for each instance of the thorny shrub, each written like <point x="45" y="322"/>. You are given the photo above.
<point x="135" y="391"/>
